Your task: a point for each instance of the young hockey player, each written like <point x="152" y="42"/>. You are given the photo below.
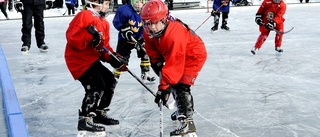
<point x="269" y="17"/>
<point x="71" y="6"/>
<point x="88" y="38"/>
<point x="220" y="6"/>
<point x="177" y="60"/>
<point x="32" y="9"/>
<point x="128" y="22"/>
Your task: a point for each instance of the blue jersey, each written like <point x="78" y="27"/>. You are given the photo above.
<point x="217" y="4"/>
<point x="127" y="15"/>
<point x="72" y="2"/>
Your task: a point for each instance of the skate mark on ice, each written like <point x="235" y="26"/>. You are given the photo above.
<point x="222" y="128"/>
<point x="271" y="94"/>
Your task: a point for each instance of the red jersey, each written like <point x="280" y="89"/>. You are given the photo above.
<point x="183" y="51"/>
<point x="271" y="10"/>
<point x="79" y="52"/>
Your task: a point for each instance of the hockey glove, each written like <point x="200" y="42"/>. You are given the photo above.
<point x="96" y="36"/>
<point x="225" y="2"/>
<point x="139" y="46"/>
<point x="213" y="13"/>
<point x="163" y="94"/>
<point x="270" y="25"/>
<point x="49" y="4"/>
<point x="18" y="5"/>
<point x="126" y="32"/>
<point x="258" y="19"/>
<point x="76" y="5"/>
<point x="118" y="62"/>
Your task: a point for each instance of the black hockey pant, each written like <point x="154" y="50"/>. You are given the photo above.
<point x="124" y="49"/>
<point x="35" y="11"/>
<point x="224" y="18"/>
<point x="3" y="7"/>
<point x="99" y="84"/>
<point x="184" y="99"/>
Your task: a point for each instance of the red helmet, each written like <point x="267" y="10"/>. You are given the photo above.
<point x="154" y="11"/>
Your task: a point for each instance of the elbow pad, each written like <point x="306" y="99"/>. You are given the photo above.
<point x="157" y="67"/>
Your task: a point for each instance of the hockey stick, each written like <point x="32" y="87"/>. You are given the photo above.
<point x="283" y="32"/>
<point x="280" y="32"/>
<point x="65" y="12"/>
<point x="132" y="74"/>
<point x="202" y="23"/>
<point x="207" y="19"/>
<point x="161" y="118"/>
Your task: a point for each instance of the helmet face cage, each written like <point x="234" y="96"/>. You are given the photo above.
<point x="151" y="33"/>
<point x="133" y="2"/>
<point x="276" y="1"/>
<point x="93" y="3"/>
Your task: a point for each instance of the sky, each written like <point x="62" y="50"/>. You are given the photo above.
<point x="236" y="94"/>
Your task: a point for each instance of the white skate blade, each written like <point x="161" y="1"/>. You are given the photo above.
<point x="193" y="134"/>
<point x="111" y="127"/>
<point x="24" y="52"/>
<point x="149" y="82"/>
<point x="43" y="51"/>
<point x="213" y="31"/>
<point x="91" y="134"/>
<point x="278" y="53"/>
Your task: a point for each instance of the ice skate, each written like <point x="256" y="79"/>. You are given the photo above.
<point x="86" y="123"/>
<point x="185" y="129"/>
<point x="278" y="50"/>
<point x="103" y="118"/>
<point x="225" y="27"/>
<point x="87" y="128"/>
<point x="146" y="76"/>
<point x="253" y="51"/>
<point x="25" y="49"/>
<point x="43" y="48"/>
<point x="214" y="28"/>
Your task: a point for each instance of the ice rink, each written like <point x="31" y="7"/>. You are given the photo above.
<point x="237" y="94"/>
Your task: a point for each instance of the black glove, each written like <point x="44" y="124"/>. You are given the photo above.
<point x="77" y="4"/>
<point x="224" y="2"/>
<point x="163" y="94"/>
<point x="270" y="25"/>
<point x="139" y="46"/>
<point x="18" y="5"/>
<point x="96" y="37"/>
<point x="126" y="32"/>
<point x="49" y="4"/>
<point x="258" y="19"/>
<point x="118" y="62"/>
<point x="213" y="13"/>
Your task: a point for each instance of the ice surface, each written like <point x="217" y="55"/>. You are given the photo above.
<point x="236" y="94"/>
